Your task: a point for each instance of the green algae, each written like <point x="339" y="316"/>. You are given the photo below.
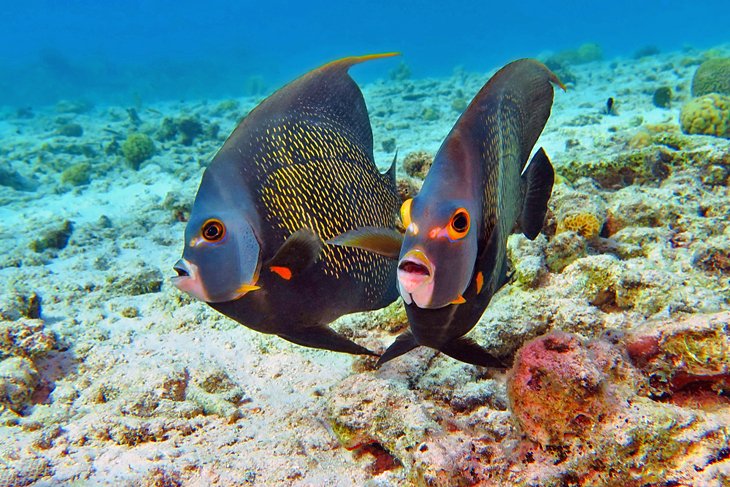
<point x="77" y="175"/>
<point x="137" y="148"/>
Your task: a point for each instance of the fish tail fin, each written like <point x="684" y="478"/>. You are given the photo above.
<point x="467" y="350"/>
<point x="403" y="344"/>
<point x="325" y="338"/>
<point x="538" y="185"/>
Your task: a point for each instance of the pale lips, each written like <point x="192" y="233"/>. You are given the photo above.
<point x="188" y="280"/>
<point x="414" y="270"/>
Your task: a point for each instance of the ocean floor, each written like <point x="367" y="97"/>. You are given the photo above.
<point x="111" y="376"/>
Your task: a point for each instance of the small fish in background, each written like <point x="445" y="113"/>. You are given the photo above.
<point x="610" y="108"/>
<point x="452" y="259"/>
<point x="298" y="170"/>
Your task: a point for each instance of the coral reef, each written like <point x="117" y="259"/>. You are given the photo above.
<point x="557" y="389"/>
<point x="137" y="148"/>
<point x="712" y="76"/>
<point x="417" y="164"/>
<point x="114" y="377"/>
<point x="708" y="115"/>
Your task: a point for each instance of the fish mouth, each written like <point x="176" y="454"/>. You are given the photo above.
<point x="181" y="268"/>
<point x="188" y="280"/>
<point x="411" y="267"/>
<point x="415" y="270"/>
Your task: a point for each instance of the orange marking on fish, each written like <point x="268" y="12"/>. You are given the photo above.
<point x="283" y="272"/>
<point x="480" y="282"/>
<point x="459" y="300"/>
<point x="434" y="232"/>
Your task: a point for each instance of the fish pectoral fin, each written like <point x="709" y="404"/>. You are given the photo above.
<point x="467" y="350"/>
<point x="325" y="338"/>
<point x="538" y="179"/>
<point x="300" y="251"/>
<point x="403" y="344"/>
<point x="382" y="241"/>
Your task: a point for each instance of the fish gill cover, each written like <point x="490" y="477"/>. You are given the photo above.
<point x="613" y="322"/>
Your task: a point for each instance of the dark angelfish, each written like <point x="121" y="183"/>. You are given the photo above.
<point x="453" y="257"/>
<point x="298" y="170"/>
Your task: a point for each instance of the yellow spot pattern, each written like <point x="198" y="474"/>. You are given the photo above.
<point x="311" y="175"/>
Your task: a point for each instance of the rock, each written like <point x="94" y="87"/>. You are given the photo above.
<point x="55" y="238"/>
<point x="417" y="164"/>
<point x="18" y="380"/>
<point x="662" y="97"/>
<point x="144" y="280"/>
<point x="687" y="361"/>
<point x="70" y="130"/>
<point x="355" y="411"/>
<point x="25" y="338"/>
<point x="14" y="305"/>
<point x="557" y="389"/>
<point x="563" y="249"/>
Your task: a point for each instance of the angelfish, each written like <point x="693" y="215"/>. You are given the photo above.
<point x="298" y="170"/>
<point x="452" y="259"/>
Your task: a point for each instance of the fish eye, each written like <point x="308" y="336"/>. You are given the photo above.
<point x="405" y="212"/>
<point x="213" y="230"/>
<point x="459" y="224"/>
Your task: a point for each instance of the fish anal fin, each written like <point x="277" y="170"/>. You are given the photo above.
<point x="467" y="350"/>
<point x="297" y="253"/>
<point x="538" y="180"/>
<point x="326" y="338"/>
<point x="383" y="241"/>
<point x="403" y="344"/>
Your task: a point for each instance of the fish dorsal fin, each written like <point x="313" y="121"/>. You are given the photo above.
<point x="391" y="171"/>
<point x="519" y="97"/>
<point x="327" y="91"/>
<point x="538" y="181"/>
<point x="298" y="252"/>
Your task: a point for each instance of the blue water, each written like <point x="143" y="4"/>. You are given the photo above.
<point x="118" y="50"/>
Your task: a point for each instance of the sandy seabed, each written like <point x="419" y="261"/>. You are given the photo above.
<point x="111" y="376"/>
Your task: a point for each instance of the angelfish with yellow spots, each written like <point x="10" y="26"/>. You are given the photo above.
<point x="298" y="170"/>
<point x="453" y="257"/>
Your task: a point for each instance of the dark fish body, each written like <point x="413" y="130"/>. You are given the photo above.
<point x="298" y="170"/>
<point x="478" y="167"/>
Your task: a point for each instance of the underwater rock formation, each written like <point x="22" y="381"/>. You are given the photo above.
<point x="417" y="164"/>
<point x="712" y="76"/>
<point x="707" y="115"/>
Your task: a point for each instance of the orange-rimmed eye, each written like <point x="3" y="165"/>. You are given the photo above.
<point x="405" y="212"/>
<point x="213" y="230"/>
<point x="459" y="224"/>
